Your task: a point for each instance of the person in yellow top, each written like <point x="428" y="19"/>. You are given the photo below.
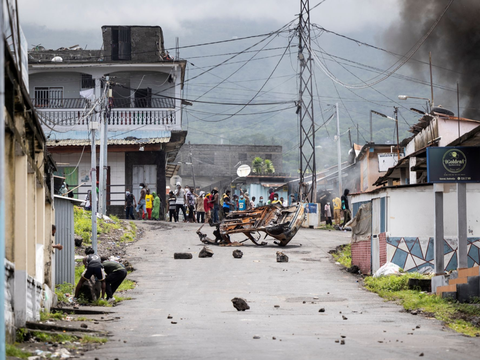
<point x="275" y="199"/>
<point x="337" y="204"/>
<point x="148" y="205"/>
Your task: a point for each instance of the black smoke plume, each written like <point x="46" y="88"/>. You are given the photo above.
<point x="455" y="45"/>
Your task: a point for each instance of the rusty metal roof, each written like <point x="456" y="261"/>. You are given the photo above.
<point x="126" y="141"/>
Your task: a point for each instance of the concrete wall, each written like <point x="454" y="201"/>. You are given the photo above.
<point x="214" y="161"/>
<point x="116" y="162"/>
<point x="409" y="225"/>
<point x="71" y="82"/>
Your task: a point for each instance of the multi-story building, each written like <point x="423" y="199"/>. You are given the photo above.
<point x="143" y="114"/>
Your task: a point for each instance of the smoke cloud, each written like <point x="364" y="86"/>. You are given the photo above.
<point x="455" y="45"/>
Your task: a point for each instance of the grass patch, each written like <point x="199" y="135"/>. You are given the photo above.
<point x="59" y="337"/>
<point x="344" y="255"/>
<point x="93" y="340"/>
<point x="45" y="316"/>
<point x="126" y="285"/>
<point x="82" y="318"/>
<point x="83" y="224"/>
<point x="326" y="227"/>
<point x="14" y="351"/>
<point x="62" y="289"/>
<point x="455" y="315"/>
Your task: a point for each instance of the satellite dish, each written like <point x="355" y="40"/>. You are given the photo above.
<point x="243" y="170"/>
<point x="173" y="181"/>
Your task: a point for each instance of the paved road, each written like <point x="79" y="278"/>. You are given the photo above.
<point x="197" y="294"/>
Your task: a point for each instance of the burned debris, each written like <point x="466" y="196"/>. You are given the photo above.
<point x="281" y="223"/>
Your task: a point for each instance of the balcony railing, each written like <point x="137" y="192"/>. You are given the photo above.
<point x="70" y="115"/>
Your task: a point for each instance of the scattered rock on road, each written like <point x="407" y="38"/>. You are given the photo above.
<point x="205" y="252"/>
<point x="256" y="337"/>
<point x="321" y="310"/>
<point x="281" y="257"/>
<point x="240" y="304"/>
<point x="344" y="317"/>
<point x="182" y="256"/>
<point x="84" y="326"/>
<point x="237" y="254"/>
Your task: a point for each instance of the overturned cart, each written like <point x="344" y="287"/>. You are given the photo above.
<point x="281" y="223"/>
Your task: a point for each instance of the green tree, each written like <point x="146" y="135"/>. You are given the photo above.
<point x="257" y="165"/>
<point x="268" y="167"/>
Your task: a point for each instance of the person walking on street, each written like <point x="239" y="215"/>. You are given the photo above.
<point x="208" y="206"/>
<point x="156" y="207"/>
<point x="172" y="206"/>
<point x="337" y="205"/>
<point x="148" y="205"/>
<point x="200" y="207"/>
<point x="130" y="203"/>
<point x="345" y="207"/>
<point x="180" y="201"/>
<point x="216" y="205"/>
<point x="328" y="214"/>
<point x="141" y="202"/>
<point x="190" y="203"/>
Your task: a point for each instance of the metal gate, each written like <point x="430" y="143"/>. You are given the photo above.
<point x="64" y="259"/>
<point x="146" y="174"/>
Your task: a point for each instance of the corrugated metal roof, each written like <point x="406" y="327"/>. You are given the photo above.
<point x="127" y="141"/>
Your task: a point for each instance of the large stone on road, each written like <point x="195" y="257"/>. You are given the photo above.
<point x="240" y="304"/>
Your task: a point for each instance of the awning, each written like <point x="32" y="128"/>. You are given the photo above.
<point x="126" y="141"/>
<point x="273" y="185"/>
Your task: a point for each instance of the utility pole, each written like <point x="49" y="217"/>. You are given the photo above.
<point x="305" y="107"/>
<point x="103" y="168"/>
<point x="93" y="195"/>
<point x="193" y="170"/>
<point x="339" y="154"/>
<point x="101" y="194"/>
<point x="358" y="135"/>
<point x="396" y="125"/>
<point x="371" y="127"/>
<point x="94" y="125"/>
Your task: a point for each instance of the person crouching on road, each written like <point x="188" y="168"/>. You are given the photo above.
<point x="116" y="273"/>
<point x="93" y="266"/>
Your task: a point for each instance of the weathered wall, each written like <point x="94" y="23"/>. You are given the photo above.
<point x="220" y="160"/>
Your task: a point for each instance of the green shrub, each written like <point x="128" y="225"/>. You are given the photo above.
<point x="15" y="352"/>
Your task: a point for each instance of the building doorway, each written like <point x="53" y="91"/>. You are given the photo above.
<point x="146" y="174"/>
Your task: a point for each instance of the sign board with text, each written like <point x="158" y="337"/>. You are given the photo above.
<point x="453" y="164"/>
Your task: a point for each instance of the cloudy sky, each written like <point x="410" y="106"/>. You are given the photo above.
<point x="55" y="23"/>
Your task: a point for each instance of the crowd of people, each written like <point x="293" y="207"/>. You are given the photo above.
<point x="146" y="208"/>
<point x="211" y="206"/>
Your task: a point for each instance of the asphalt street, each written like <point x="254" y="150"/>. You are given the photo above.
<point x="283" y="322"/>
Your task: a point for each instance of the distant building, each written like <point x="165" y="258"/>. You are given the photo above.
<point x="215" y="164"/>
<point x="145" y="117"/>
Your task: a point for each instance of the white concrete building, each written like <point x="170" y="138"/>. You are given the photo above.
<point x="144" y="116"/>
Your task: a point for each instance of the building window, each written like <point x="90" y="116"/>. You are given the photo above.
<point x="268" y="156"/>
<point x="48" y="97"/>
<point x="242" y="157"/>
<point x="87" y="82"/>
<point x="121" y="43"/>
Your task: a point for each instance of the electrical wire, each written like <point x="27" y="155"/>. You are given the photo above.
<point x="389" y="72"/>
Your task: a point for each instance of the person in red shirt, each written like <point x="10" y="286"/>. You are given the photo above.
<point x="272" y="194"/>
<point x="208" y="206"/>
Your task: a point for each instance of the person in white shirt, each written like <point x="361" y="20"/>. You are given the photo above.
<point x="180" y="201"/>
<point x="284" y="202"/>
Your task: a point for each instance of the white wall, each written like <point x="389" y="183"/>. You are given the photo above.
<point x="410" y="210"/>
<point x="70" y="81"/>
<point x="116" y="161"/>
<point x="449" y="130"/>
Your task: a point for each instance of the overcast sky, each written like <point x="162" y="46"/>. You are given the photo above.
<point x="55" y="23"/>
